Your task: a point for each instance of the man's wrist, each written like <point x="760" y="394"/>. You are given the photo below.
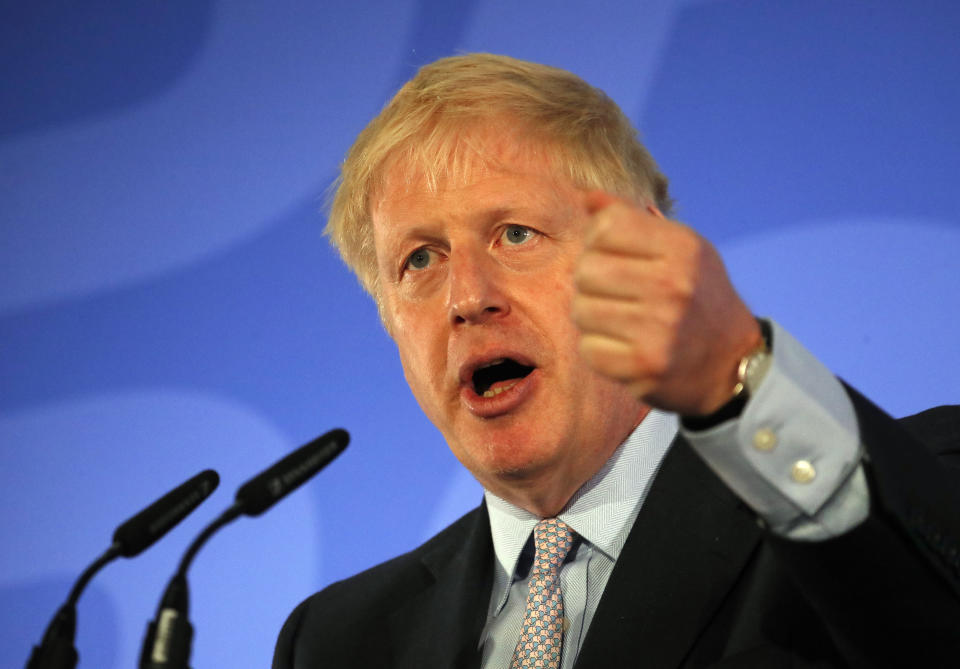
<point x="750" y="371"/>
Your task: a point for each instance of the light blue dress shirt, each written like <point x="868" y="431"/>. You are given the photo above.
<point x="602" y="513"/>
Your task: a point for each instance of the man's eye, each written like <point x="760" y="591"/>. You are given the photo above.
<point x="419" y="259"/>
<point x="517" y="234"/>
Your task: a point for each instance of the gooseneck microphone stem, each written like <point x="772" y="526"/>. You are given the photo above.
<point x="108" y="556"/>
<point x="170" y="635"/>
<point x="224" y="518"/>
<point x="57" y="651"/>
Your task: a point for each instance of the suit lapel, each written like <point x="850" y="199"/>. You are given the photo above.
<point x="687" y="546"/>
<point x="441" y="626"/>
<point x="690" y="541"/>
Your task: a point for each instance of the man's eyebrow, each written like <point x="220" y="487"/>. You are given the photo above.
<point x="417" y="232"/>
<point x="428" y="228"/>
<point x="523" y="210"/>
<point x="499" y="213"/>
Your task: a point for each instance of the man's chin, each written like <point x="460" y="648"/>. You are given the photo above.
<point x="511" y="451"/>
<point x="512" y="467"/>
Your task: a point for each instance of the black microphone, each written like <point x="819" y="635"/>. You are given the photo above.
<point x="169" y="636"/>
<point x="141" y="531"/>
<point x="56" y="650"/>
<point x="267" y="488"/>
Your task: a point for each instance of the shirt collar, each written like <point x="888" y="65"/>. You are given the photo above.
<point x="602" y="511"/>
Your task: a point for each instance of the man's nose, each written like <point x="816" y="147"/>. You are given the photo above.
<point x="476" y="290"/>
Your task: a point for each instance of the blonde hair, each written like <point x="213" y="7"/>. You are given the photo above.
<point x="589" y="139"/>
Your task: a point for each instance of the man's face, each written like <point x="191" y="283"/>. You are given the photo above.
<point x="477" y="280"/>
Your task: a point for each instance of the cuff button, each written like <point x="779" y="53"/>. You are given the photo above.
<point x="764" y="439"/>
<point x="802" y="471"/>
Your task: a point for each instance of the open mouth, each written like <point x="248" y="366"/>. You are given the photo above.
<point x="498" y="375"/>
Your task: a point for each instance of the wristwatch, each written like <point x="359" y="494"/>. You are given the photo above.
<point x="754" y="365"/>
<point x="750" y="372"/>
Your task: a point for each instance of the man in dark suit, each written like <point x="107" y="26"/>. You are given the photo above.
<point x="553" y="323"/>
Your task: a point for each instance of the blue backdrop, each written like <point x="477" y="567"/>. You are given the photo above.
<point x="167" y="301"/>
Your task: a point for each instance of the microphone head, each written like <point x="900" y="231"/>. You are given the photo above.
<point x="138" y="533"/>
<point x="265" y="489"/>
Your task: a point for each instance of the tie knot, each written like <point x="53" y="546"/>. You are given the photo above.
<point x="552" y="539"/>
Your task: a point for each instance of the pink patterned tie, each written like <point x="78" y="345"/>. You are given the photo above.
<point x="542" y="631"/>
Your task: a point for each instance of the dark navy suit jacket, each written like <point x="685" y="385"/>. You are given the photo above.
<point x="699" y="583"/>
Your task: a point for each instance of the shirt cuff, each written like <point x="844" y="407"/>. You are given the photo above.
<point x="793" y="454"/>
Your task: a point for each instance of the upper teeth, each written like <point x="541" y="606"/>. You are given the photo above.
<point x="491" y="363"/>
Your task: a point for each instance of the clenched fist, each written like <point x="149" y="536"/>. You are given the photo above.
<point x="657" y="310"/>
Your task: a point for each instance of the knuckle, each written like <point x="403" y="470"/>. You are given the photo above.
<point x="584" y="271"/>
<point x="590" y="352"/>
<point x="599" y="230"/>
<point x="597" y="352"/>
<point x="683" y="291"/>
<point x="579" y="309"/>
<point x="652" y="363"/>
<point x="672" y="321"/>
<point x="677" y="281"/>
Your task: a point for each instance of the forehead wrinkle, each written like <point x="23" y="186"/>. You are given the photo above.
<point x="444" y="156"/>
<point x="396" y="192"/>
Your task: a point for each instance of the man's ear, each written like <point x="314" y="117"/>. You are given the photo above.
<point x="654" y="210"/>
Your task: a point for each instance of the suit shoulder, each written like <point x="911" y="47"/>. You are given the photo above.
<point x="401" y="575"/>
<point x="938" y="428"/>
<point x="335" y="611"/>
